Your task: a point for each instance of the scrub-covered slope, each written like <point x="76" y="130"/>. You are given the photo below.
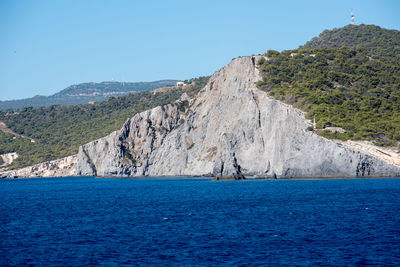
<point x="347" y="78"/>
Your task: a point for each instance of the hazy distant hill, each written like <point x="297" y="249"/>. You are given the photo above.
<point x="85" y="92"/>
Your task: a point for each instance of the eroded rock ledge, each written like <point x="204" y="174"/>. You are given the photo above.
<point x="55" y="168"/>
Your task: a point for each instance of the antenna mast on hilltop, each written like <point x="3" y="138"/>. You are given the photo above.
<point x="352" y="17"/>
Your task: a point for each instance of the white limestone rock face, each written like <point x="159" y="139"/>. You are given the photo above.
<point x="230" y="129"/>
<point x="127" y="151"/>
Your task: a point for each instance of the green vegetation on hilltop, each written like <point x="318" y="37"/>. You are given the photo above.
<point x="340" y="87"/>
<point x="377" y="41"/>
<point x="58" y="131"/>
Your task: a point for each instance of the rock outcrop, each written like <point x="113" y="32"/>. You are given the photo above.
<point x="8" y="158"/>
<point x="231" y="129"/>
<point x="55" y="168"/>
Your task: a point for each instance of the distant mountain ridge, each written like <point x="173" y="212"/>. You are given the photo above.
<point x="85" y="92"/>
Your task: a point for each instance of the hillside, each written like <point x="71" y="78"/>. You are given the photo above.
<point x="58" y="131"/>
<point x="356" y="87"/>
<point x="85" y="92"/>
<point x="231" y="129"/>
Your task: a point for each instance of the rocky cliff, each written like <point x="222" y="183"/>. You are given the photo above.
<point x="230" y="129"/>
<point x="55" y="168"/>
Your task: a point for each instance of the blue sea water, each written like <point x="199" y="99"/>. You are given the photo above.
<point x="91" y="221"/>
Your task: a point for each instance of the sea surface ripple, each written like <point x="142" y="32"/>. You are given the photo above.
<point x="178" y="221"/>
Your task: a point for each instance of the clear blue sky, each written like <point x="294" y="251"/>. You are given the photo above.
<point x="46" y="46"/>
